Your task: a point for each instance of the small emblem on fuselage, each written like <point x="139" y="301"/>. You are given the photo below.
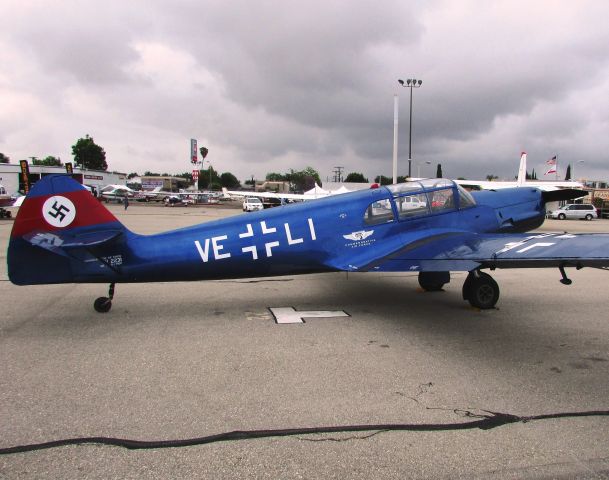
<point x="357" y="236"/>
<point x="58" y="211"/>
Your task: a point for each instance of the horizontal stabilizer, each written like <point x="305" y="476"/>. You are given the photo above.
<point x="562" y="194"/>
<point x="56" y="242"/>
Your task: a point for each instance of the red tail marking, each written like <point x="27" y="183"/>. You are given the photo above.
<point x="89" y="211"/>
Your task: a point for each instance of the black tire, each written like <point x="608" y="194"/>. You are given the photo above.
<point x="589" y="217"/>
<point x="481" y="291"/>
<point x="102" y="304"/>
<point x="561" y="216"/>
<point x="433" y="281"/>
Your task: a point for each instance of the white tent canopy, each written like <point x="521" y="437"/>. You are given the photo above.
<point x="340" y="190"/>
<point x="317" y="190"/>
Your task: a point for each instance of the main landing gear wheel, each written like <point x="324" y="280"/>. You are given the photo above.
<point x="480" y="290"/>
<point x="433" y="281"/>
<point x="104" y="304"/>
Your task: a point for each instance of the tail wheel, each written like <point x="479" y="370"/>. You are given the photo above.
<point x="433" y="281"/>
<point x="480" y="290"/>
<point x="102" y="304"/>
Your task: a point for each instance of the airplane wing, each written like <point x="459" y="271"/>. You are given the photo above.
<point x="546" y="186"/>
<point x="465" y="251"/>
<point x="279" y="196"/>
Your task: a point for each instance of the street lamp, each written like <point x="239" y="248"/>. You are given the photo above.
<point x="410" y="83"/>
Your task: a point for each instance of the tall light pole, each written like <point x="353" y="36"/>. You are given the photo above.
<point x="581" y="162"/>
<point x="410" y="83"/>
<point x="395" y="140"/>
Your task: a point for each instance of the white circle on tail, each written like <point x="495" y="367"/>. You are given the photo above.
<point x="59" y="211"/>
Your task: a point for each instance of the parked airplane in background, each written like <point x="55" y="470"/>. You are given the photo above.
<point x="63" y="235"/>
<point x="5" y="201"/>
<point x="521" y="181"/>
<point x="116" y="192"/>
<point x="184" y="196"/>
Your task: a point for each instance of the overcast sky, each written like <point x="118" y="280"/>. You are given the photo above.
<point x="270" y="86"/>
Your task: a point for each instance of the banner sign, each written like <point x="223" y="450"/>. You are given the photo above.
<point x="25" y="175"/>
<point x="195" y="175"/>
<point x="151" y="184"/>
<point x="193" y="151"/>
<point x="69" y="169"/>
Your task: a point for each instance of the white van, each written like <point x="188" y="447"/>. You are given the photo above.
<point x="575" y="210"/>
<point x="251" y="204"/>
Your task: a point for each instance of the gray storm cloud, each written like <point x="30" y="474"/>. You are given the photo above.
<point x="270" y="86"/>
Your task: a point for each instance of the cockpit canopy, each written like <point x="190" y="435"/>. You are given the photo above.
<point x="414" y="199"/>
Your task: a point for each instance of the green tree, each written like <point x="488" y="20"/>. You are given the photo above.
<point x="275" y="177"/>
<point x="356" y="178"/>
<point x="568" y="174"/>
<point x="48" y="161"/>
<point x="208" y="179"/>
<point x="87" y="154"/>
<point x="132" y="175"/>
<point x="304" y="179"/>
<point x="383" y="180"/>
<point x="186" y="175"/>
<point x="491" y="177"/>
<point x="228" y="180"/>
<point x="4" y="158"/>
<point x="439" y="171"/>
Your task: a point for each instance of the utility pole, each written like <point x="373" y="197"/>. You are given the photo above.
<point x="338" y="174"/>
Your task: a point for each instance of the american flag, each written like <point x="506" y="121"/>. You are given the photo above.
<point x="552" y="161"/>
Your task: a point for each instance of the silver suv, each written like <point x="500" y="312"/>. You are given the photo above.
<point x="575" y="210"/>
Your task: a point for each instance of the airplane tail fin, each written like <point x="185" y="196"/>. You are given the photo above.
<point x="522" y="170"/>
<point x="58" y="232"/>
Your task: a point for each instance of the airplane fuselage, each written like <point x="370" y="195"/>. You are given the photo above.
<point x="296" y="239"/>
<point x="431" y="227"/>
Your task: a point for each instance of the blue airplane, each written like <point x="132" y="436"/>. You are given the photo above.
<point x="62" y="234"/>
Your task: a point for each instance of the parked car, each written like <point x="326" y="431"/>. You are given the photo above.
<point x="575" y="210"/>
<point x="252" y="204"/>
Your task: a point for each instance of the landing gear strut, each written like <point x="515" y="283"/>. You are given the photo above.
<point x="480" y="290"/>
<point x="104" y="304"/>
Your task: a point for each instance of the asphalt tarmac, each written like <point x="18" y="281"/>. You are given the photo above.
<point x="185" y="360"/>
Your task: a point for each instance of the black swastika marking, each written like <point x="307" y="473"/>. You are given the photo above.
<point x="58" y="211"/>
